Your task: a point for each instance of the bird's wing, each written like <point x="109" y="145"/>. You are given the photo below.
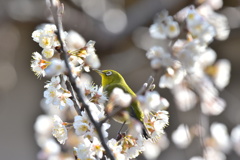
<point x="135" y="110"/>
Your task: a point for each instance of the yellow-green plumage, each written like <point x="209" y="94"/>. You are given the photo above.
<point x="112" y="79"/>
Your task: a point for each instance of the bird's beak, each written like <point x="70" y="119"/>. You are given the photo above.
<point x="98" y="71"/>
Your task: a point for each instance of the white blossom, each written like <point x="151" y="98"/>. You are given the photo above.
<point x="171" y="78"/>
<point x="153" y="101"/>
<point x="220" y="134"/>
<point x="81" y="125"/>
<point x="181" y="136"/>
<point x="235" y="138"/>
<point x="48" y="52"/>
<point x="172" y="29"/>
<point x="56" y="67"/>
<point x="212" y="153"/>
<point x="119" y="98"/>
<point x="84" y="150"/>
<point x="222" y="75"/>
<point x="74" y="40"/>
<point x="59" y="130"/>
<point x="116" y="149"/>
<point x="38" y="64"/>
<point x="96" y="148"/>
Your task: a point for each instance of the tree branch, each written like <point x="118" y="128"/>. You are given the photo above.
<point x="146" y="86"/>
<point x="57" y="16"/>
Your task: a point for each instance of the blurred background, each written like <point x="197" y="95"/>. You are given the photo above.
<point x="119" y="28"/>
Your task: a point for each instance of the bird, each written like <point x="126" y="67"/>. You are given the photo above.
<point x="112" y="79"/>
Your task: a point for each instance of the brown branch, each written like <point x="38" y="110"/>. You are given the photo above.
<point x="120" y="109"/>
<point x="146" y="86"/>
<point x="76" y="103"/>
<point x="57" y="16"/>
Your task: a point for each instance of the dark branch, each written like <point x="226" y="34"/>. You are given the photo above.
<point x="76" y="103"/>
<point x="146" y="86"/>
<point x="57" y="16"/>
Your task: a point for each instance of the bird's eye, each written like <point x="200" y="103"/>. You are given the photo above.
<point x="108" y="73"/>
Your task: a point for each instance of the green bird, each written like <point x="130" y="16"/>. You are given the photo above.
<point x="112" y="79"/>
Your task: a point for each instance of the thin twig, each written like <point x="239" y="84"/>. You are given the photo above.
<point x="57" y="15"/>
<point x="120" y="109"/>
<point x="76" y="104"/>
<point x="146" y="86"/>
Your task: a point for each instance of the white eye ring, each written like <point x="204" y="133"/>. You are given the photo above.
<point x="108" y="73"/>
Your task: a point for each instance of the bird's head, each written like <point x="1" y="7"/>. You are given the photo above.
<point x="109" y="77"/>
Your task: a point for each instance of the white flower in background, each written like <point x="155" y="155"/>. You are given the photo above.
<point x="158" y="31"/>
<point x="38" y="65"/>
<point x="192" y="15"/>
<point x="155" y="51"/>
<point x="43" y="124"/>
<point x="181" y="136"/>
<point x="212" y="153"/>
<point x="185" y="99"/>
<point x="50" y="109"/>
<point x="215" y="4"/>
<point x="171" y="78"/>
<point x="220" y="73"/>
<point x="153" y="150"/>
<point x="196" y="158"/>
<point x="220" y="134"/>
<point x="217" y="20"/>
<point x="235" y="138"/>
<point x="164" y="26"/>
<point x="152" y="101"/>
<point x="51" y="146"/>
<point x="213" y="106"/>
<point x="159" y="57"/>
<point x="119" y="98"/>
<point x="199" y="27"/>
<point x="161" y="16"/>
<point x="208" y="57"/>
<point x="74" y="40"/>
<point x="172" y="29"/>
<point x="59" y="130"/>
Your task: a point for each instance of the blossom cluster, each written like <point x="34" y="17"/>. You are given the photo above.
<point x="48" y="63"/>
<point x="192" y="72"/>
<point x="77" y="133"/>
<point x="189" y="64"/>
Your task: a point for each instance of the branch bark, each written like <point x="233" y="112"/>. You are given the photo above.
<point x="57" y="12"/>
